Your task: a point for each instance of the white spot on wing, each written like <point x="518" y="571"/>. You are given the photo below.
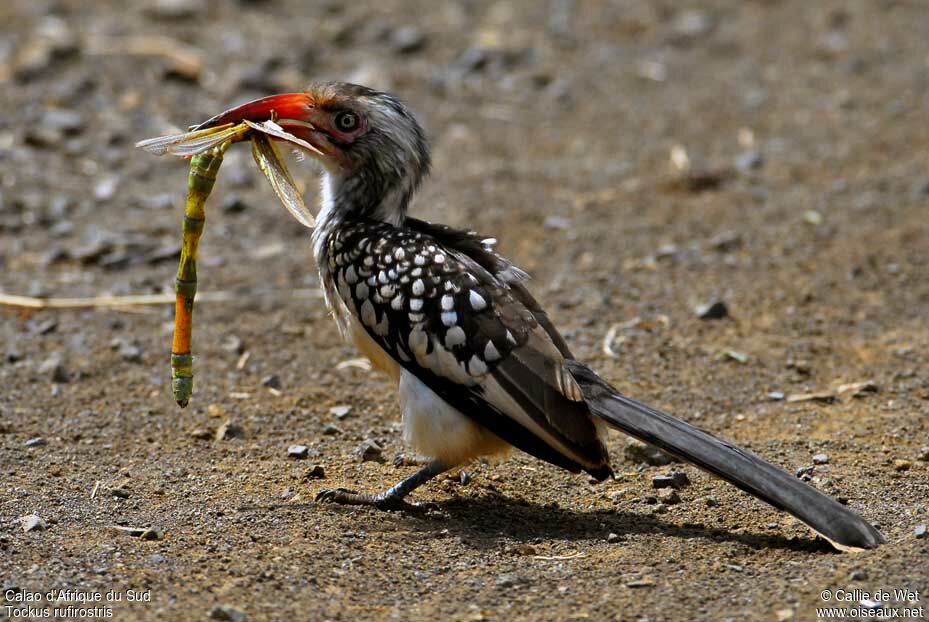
<point x="491" y="353"/>
<point x="455" y="336"/>
<point x="416" y="304"/>
<point x="361" y="291"/>
<point x="419" y="287"/>
<point x="350" y="275"/>
<point x="477" y="367"/>
<point x="477" y="301"/>
<point x="448" y="303"/>
<point x="449" y="318"/>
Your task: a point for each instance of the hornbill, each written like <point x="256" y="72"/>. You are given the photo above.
<point x="478" y="365"/>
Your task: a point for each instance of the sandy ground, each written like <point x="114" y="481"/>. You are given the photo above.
<point x="566" y="130"/>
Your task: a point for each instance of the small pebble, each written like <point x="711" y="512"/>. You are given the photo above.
<point x="201" y="434"/>
<point x="227" y="613"/>
<point x="44" y="327"/>
<point x="227" y="430"/>
<point x="923" y="454"/>
<point x="34" y="522"/>
<point x="712" y="311"/>
<point x="858" y="575"/>
<point x="120" y="493"/>
<point x="370" y="451"/>
<point x="558" y="222"/>
<point x="37" y="441"/>
<point x="130" y="352"/>
<point x="669" y="496"/>
<point x="298" y="452"/>
<point x="711" y="501"/>
<point x="331" y="429"/>
<point x="614" y="537"/>
<point x="691" y="24"/>
<point x="407" y="40"/>
<point x="820" y="459"/>
<point x="638" y="452"/>
<point x="233" y="343"/>
<point x="63" y="120"/>
<point x="106" y="187"/>
<point x="726" y="241"/>
<point x="54" y="369"/>
<point x="317" y="472"/>
<point x="272" y="382"/>
<point x="176" y="9"/>
<point x="153" y="533"/>
<point x="234" y="204"/>
<point x="748" y="161"/>
<point x="340" y="412"/>
<point x="920" y="531"/>
<point x="677" y="480"/>
<point x="901" y="465"/>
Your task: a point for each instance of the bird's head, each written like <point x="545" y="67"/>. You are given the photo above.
<point x="373" y="150"/>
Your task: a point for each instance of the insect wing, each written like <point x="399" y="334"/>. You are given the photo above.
<point x="191" y="143"/>
<point x="271" y="163"/>
<point x="273" y="129"/>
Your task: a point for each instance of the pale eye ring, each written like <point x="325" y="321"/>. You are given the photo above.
<point x="346" y="121"/>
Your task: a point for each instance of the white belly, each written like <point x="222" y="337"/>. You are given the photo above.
<point x="435" y="429"/>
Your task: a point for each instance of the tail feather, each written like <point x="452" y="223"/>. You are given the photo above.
<point x="835" y="522"/>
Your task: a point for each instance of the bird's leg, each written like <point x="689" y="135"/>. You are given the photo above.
<point x="404" y="460"/>
<point x="392" y="499"/>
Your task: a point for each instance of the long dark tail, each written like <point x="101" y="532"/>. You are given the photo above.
<point x="838" y="524"/>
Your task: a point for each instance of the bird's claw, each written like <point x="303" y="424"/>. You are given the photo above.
<point x="343" y="496"/>
<point x="333" y="495"/>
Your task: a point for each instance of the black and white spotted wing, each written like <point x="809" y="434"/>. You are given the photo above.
<point x="453" y="313"/>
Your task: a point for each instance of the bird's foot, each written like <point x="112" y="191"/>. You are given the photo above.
<point x="382" y="501"/>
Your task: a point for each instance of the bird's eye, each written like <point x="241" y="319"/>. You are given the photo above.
<point x="346" y="121"/>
